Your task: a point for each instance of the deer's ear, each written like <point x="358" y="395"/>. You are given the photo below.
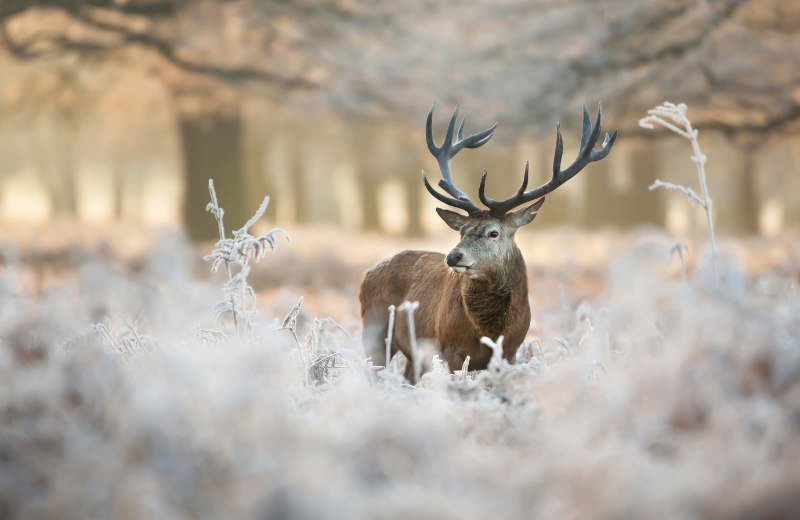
<point x="525" y="216"/>
<point x="454" y="220"/>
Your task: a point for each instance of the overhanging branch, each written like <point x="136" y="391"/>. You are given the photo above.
<point x="45" y="44"/>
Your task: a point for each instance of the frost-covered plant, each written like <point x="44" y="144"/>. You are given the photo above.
<point x="116" y="348"/>
<point x="240" y="249"/>
<point x="290" y="324"/>
<point x="526" y="351"/>
<point x="677" y="249"/>
<point x="392" y="310"/>
<point x="128" y="344"/>
<point x="409" y="308"/>
<point x="219" y="432"/>
<point x="136" y="342"/>
<point x="208" y="338"/>
<point x="249" y="422"/>
<point x="463" y="374"/>
<point x="318" y="361"/>
<point x="677" y="114"/>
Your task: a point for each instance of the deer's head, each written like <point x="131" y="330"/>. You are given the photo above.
<point x="487" y="241"/>
<point x="487" y="236"/>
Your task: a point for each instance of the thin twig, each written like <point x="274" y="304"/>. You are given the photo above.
<point x="302" y="356"/>
<point x="218" y="214"/>
<point x="108" y="337"/>
<point x="331" y="321"/>
<point x="389" y="336"/>
<point x="678" y="248"/>
<point x="589" y="332"/>
<point x="564" y="344"/>
<point x="290" y="324"/>
<point x="689" y="192"/>
<point x="133" y="330"/>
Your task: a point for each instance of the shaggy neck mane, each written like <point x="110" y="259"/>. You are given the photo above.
<point x="489" y="303"/>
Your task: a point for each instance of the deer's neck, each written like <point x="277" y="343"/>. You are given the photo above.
<point x="489" y="303"/>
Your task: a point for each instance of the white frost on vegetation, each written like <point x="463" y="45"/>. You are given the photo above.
<point x="662" y="115"/>
<point x="654" y="401"/>
<point x="240" y="299"/>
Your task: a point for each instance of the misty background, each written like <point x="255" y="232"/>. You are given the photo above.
<point x="120" y="111"/>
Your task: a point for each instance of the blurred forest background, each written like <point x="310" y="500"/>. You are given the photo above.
<point x="121" y="110"/>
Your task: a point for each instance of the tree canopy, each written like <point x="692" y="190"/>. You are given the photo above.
<point x="736" y="62"/>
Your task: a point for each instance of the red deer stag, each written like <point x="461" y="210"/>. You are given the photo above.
<point x="481" y="287"/>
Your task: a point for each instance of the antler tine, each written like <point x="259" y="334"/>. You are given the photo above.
<point x="500" y="208"/>
<point x="466" y="205"/>
<point x="586" y="155"/>
<point x="482" y="137"/>
<point x="473" y="141"/>
<point x="559" y="151"/>
<point x="446" y="152"/>
<point x="586" y="131"/>
<point x="589" y="137"/>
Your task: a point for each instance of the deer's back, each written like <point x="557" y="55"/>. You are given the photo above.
<point x="391" y="281"/>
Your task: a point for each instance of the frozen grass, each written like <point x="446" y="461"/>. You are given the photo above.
<point x="665" y="115"/>
<point x="653" y="400"/>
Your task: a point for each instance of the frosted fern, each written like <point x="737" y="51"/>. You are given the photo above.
<point x="240" y="299"/>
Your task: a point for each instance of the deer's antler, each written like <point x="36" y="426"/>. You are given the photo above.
<point x="586" y="155"/>
<point x="446" y="152"/>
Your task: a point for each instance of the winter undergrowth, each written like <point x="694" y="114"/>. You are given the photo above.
<point x="658" y="400"/>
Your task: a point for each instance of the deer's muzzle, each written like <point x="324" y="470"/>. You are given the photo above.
<point x="454" y="258"/>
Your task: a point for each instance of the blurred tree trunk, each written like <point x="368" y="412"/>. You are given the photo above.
<point x="556" y="210"/>
<point x="367" y="175"/>
<point x="749" y="206"/>
<point x="411" y="163"/>
<point x="369" y="199"/>
<point x="211" y="145"/>
<point x="626" y="202"/>
<point x="638" y="208"/>
<point x="297" y="177"/>
<point x="257" y="183"/>
<point x="601" y="198"/>
<point x="119" y="188"/>
<point x="63" y="193"/>
<point x="414" y="200"/>
<point x="67" y="199"/>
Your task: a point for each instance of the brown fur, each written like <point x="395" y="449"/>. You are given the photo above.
<point x="455" y="310"/>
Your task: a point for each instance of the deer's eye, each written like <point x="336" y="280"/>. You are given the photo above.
<point x="493" y="234"/>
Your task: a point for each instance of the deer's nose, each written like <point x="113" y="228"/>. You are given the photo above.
<point x="454" y="258"/>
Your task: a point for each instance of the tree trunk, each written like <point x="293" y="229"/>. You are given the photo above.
<point x="369" y="199"/>
<point x="641" y="206"/>
<point x="411" y="164"/>
<point x="297" y="177"/>
<point x="749" y="210"/>
<point x="600" y="196"/>
<point x="63" y="192"/>
<point x="119" y="188"/>
<point x="414" y="203"/>
<point x="211" y="147"/>
<point x="258" y="184"/>
<point x="368" y="177"/>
